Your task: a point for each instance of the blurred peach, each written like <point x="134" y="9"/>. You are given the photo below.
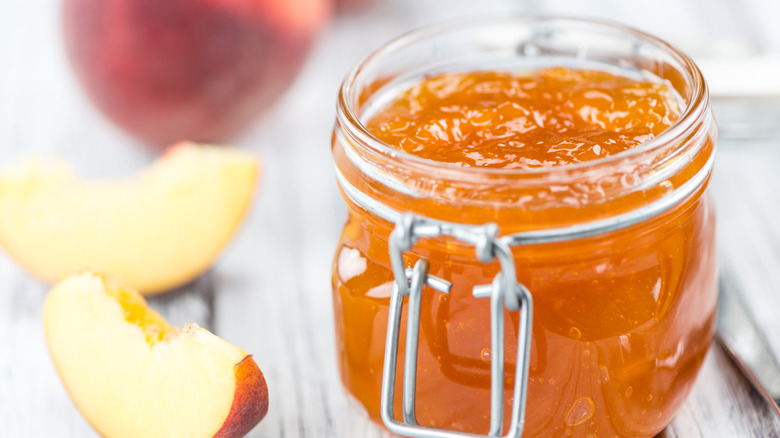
<point x="201" y="70"/>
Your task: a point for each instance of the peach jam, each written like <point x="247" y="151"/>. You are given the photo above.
<point x="595" y="135"/>
<point x="552" y="117"/>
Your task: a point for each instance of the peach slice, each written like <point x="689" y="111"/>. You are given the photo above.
<point x="131" y="374"/>
<point x="154" y="232"/>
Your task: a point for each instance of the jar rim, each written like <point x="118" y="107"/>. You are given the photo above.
<point x="349" y="118"/>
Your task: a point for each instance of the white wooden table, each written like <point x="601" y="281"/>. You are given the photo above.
<point x="270" y="294"/>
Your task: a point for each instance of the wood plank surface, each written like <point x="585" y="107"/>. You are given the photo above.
<point x="270" y="293"/>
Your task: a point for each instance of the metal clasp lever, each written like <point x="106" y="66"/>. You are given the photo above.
<point x="503" y="291"/>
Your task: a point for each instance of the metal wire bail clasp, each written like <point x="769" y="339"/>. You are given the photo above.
<point x="504" y="291"/>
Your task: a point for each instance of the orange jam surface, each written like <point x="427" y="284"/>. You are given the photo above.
<point x="553" y="117"/>
<point x="621" y="321"/>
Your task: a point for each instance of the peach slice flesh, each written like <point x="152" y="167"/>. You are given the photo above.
<point x="131" y="374"/>
<point x="155" y="232"/>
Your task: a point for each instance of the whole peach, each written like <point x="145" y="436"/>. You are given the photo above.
<point x="166" y="70"/>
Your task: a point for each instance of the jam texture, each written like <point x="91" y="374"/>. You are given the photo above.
<point x="552" y="117"/>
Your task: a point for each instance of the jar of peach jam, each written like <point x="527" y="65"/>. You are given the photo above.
<point x="530" y="248"/>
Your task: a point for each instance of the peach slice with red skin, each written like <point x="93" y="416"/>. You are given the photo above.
<point x="154" y="232"/>
<point x="131" y="374"/>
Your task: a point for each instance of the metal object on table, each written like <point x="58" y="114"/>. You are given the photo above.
<point x="746" y="344"/>
<point x="755" y="76"/>
<point x="746" y="109"/>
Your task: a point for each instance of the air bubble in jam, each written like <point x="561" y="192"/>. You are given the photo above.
<point x="629" y="391"/>
<point x="485" y="355"/>
<point x="581" y="410"/>
<point x="604" y="373"/>
<point x="575" y="333"/>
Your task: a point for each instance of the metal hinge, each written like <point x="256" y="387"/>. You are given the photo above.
<point x="504" y="291"/>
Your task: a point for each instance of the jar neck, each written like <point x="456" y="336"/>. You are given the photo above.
<point x="622" y="187"/>
<point x="602" y="196"/>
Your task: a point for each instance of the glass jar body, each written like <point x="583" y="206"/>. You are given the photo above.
<point x="621" y="326"/>
<point x="622" y="319"/>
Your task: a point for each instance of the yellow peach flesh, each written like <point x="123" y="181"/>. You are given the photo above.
<point x="154" y="232"/>
<point x="135" y="310"/>
<point x="126" y="383"/>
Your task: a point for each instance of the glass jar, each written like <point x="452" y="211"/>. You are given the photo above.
<point x="618" y="253"/>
